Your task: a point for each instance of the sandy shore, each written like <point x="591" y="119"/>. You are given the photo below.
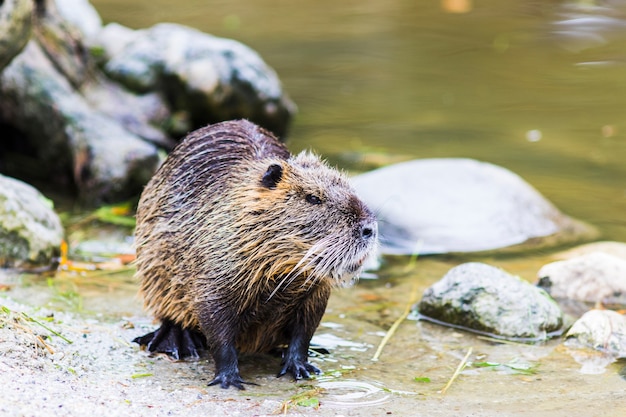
<point x="101" y="373"/>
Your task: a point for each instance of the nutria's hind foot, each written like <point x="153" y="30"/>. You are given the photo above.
<point x="174" y="340"/>
<point x="300" y="369"/>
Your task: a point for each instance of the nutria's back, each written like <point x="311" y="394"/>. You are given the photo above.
<point x="233" y="229"/>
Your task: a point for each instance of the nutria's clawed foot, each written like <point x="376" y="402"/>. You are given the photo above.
<point x="228" y="379"/>
<point x="173" y="340"/>
<point x="300" y="369"/>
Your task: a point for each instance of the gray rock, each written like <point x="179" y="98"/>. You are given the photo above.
<point x="69" y="135"/>
<point x="593" y="277"/>
<point x="486" y="299"/>
<point x="30" y="231"/>
<point x="15" y="28"/>
<point x="211" y="78"/>
<point x="433" y="206"/>
<point x="603" y="330"/>
<point x="139" y="114"/>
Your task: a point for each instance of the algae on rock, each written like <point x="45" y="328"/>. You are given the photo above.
<point x="483" y="298"/>
<point x="30" y="231"/>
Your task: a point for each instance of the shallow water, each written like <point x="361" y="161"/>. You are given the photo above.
<point x="537" y="87"/>
<point x="504" y="379"/>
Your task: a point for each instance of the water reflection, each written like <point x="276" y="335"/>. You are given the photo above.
<point x="592" y="362"/>
<point x="585" y="26"/>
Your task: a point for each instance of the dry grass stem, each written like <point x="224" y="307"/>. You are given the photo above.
<point x="396" y="324"/>
<point x="457" y="371"/>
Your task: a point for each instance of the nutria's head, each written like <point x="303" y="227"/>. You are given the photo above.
<point x="301" y="221"/>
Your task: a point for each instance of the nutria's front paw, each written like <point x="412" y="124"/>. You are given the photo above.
<point x="299" y="369"/>
<point x="225" y="380"/>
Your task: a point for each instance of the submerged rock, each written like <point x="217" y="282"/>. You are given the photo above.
<point x="594" y="277"/>
<point x="433" y="206"/>
<point x="30" y="231"/>
<point x="486" y="299"/>
<point x="603" y="330"/>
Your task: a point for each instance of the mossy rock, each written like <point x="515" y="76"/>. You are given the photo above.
<point x="30" y="231"/>
<point x="486" y="299"/>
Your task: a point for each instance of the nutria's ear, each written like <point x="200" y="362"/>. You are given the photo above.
<point x="272" y="176"/>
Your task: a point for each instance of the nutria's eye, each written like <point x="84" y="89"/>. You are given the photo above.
<point x="313" y="199"/>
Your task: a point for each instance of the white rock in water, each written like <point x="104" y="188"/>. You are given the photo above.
<point x="594" y="277"/>
<point x="432" y="206"/>
<point x="603" y="330"/>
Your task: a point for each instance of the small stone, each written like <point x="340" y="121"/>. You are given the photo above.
<point x="594" y="277"/>
<point x="603" y="330"/>
<point x="484" y="298"/>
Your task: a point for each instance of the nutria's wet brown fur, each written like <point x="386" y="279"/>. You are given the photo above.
<point x="239" y="244"/>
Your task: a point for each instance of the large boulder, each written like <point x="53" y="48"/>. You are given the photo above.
<point x="433" y="206"/>
<point x="211" y="79"/>
<point x="30" y="231"/>
<point x="486" y="299"/>
<point x="63" y="121"/>
<point x="105" y="160"/>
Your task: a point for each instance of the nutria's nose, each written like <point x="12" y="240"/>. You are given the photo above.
<point x="369" y="230"/>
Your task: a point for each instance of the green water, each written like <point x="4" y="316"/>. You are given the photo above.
<point x="381" y="81"/>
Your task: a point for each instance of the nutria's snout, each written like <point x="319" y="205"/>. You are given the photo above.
<point x="349" y="265"/>
<point x="369" y="229"/>
<point x="368" y="226"/>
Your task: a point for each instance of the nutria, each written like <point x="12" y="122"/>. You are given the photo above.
<point x="239" y="244"/>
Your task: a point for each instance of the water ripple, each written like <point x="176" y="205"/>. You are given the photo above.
<point x="353" y="393"/>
